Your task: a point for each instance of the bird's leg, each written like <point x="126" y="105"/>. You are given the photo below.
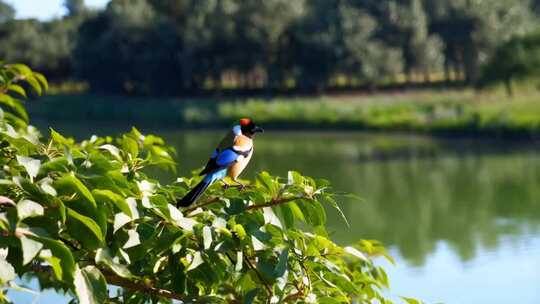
<point x="240" y="185"/>
<point x="225" y="185"/>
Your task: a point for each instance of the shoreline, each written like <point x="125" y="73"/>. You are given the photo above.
<point x="450" y="115"/>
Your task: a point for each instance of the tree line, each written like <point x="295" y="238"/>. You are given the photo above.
<point x="177" y="47"/>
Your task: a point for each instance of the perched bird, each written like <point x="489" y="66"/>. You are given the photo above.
<point x="229" y="159"/>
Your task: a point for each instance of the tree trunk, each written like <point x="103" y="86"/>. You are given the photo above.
<point x="508" y="87"/>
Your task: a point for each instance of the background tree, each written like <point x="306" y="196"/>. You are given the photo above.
<point x="177" y="47"/>
<point x="518" y="58"/>
<point x="75" y="7"/>
<point x="6" y="12"/>
<point x="125" y="49"/>
<point x="472" y="29"/>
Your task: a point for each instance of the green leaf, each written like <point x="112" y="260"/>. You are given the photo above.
<point x="103" y="256"/>
<point x="287" y="215"/>
<point x="69" y="184"/>
<point x="295" y="178"/>
<point x="15" y="120"/>
<point x="8" y="272"/>
<point x="207" y="237"/>
<point x="90" y="285"/>
<point x="296" y="211"/>
<point x="130" y="145"/>
<point x="330" y="200"/>
<point x="57" y="137"/>
<point x="196" y="261"/>
<point x="239" y="231"/>
<point x="20" y="69"/>
<point x="34" y="83"/>
<point x="116" y="199"/>
<point x="17" y="89"/>
<point x="7" y="201"/>
<point x="64" y="264"/>
<point x="112" y="149"/>
<point x="30" y="165"/>
<point x="250" y="296"/>
<point x="281" y="266"/>
<point x="27" y="208"/>
<point x="30" y="249"/>
<point x="353" y="251"/>
<point x="313" y="212"/>
<point x="133" y="239"/>
<point x="42" y="80"/>
<point x="266" y="180"/>
<point x="84" y="229"/>
<point x="410" y="300"/>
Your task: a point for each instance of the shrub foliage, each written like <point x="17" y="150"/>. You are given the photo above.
<point x="82" y="217"/>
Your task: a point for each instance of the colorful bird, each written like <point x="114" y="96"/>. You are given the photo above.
<point x="230" y="158"/>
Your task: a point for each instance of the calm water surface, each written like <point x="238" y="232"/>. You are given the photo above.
<point x="462" y="219"/>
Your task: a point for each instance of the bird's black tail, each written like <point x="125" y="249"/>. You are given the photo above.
<point x="194" y="194"/>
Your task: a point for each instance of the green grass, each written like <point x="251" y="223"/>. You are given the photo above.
<point x="441" y="112"/>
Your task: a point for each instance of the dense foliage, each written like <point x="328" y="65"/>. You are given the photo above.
<point x="80" y="217"/>
<point x="515" y="59"/>
<point x="185" y="46"/>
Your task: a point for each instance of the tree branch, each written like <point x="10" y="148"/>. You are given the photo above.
<point x="113" y="279"/>
<point x="208" y="202"/>
<point x="272" y="203"/>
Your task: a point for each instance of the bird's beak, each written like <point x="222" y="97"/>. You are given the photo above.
<point x="258" y="130"/>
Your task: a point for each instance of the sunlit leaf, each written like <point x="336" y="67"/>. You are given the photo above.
<point x="17" y="89"/>
<point x="207" y="237"/>
<point x="27" y="208"/>
<point x="90" y="285"/>
<point x="8" y="272"/>
<point x="114" y="198"/>
<point x="130" y="145"/>
<point x="30" y="165"/>
<point x="196" y="261"/>
<point x="103" y="256"/>
<point x="30" y="249"/>
<point x="410" y="300"/>
<point x="133" y="239"/>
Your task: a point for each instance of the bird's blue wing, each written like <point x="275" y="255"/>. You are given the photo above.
<point x="226" y="157"/>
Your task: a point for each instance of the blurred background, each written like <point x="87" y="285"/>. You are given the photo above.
<point x="427" y="109"/>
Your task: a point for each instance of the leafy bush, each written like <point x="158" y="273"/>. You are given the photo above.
<point x="80" y="217"/>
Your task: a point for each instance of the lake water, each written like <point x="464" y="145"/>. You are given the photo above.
<point x="461" y="218"/>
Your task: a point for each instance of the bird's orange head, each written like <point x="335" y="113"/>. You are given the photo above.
<point x="244" y="122"/>
<point x="248" y="127"/>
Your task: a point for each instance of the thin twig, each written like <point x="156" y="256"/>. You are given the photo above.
<point x="268" y="288"/>
<point x="113" y="279"/>
<point x="272" y="203"/>
<point x="208" y="202"/>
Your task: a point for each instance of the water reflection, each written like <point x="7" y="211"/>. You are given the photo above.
<point x="467" y="194"/>
<point x="469" y="197"/>
<point x="461" y="218"/>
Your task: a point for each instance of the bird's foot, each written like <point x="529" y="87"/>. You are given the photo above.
<point x="240" y="186"/>
<point x="226" y="186"/>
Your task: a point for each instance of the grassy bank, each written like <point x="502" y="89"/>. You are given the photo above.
<point x="444" y="112"/>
